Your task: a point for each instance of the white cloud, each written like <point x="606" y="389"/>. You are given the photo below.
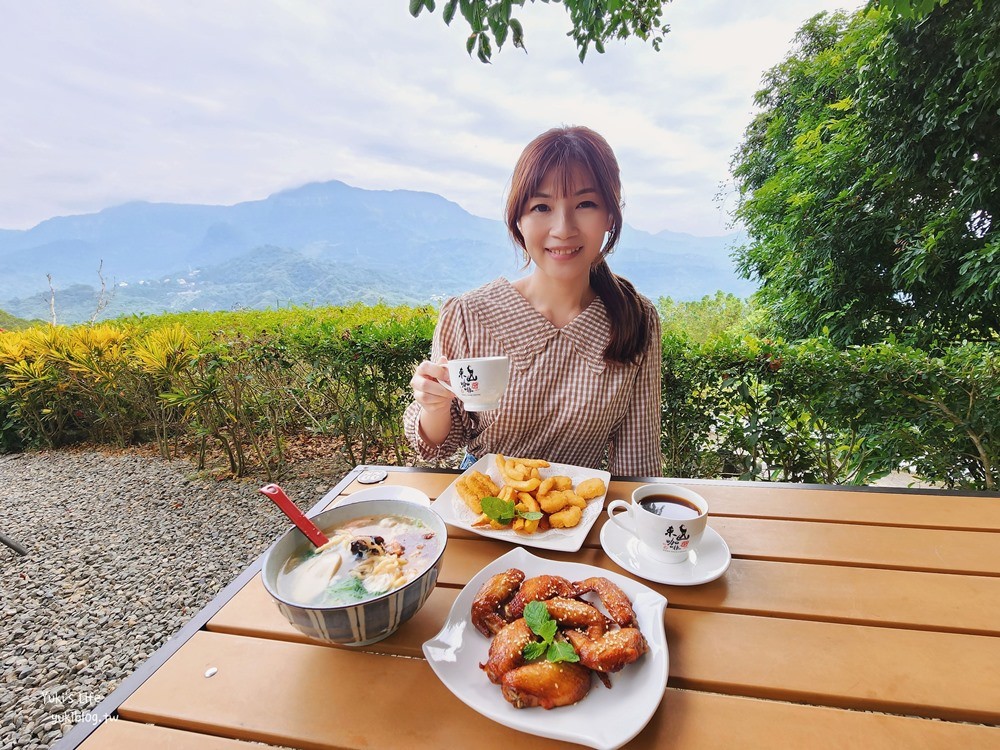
<point x="230" y="100"/>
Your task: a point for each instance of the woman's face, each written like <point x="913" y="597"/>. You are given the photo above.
<point x="564" y="234"/>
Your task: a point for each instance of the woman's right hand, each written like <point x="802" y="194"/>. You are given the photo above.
<point x="427" y="388"/>
<point x="434" y="422"/>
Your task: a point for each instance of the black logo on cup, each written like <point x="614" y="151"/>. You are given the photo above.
<point x="468" y="381"/>
<point x="676" y="539"/>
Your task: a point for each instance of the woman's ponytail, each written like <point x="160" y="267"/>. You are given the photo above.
<point x="626" y="311"/>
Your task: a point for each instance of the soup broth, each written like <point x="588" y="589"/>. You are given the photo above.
<point x="365" y="557"/>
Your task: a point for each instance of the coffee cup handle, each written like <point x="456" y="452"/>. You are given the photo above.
<point x="449" y="387"/>
<point x="617" y="517"/>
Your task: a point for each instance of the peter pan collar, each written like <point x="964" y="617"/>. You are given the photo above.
<point x="524" y="332"/>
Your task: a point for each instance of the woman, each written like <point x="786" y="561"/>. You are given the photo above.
<point x="584" y="346"/>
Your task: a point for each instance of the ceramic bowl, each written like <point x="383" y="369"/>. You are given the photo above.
<point x="368" y="621"/>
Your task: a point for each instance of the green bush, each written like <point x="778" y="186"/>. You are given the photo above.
<point x="735" y="402"/>
<point x="809" y="412"/>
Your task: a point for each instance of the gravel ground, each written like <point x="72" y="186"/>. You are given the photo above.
<point x="123" y="548"/>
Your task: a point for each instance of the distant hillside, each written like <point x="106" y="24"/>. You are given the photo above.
<point x="9" y="322"/>
<point x="324" y="243"/>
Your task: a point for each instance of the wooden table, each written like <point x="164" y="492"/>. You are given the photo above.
<point x="857" y="617"/>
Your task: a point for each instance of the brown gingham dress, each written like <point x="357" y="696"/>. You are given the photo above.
<point x="564" y="402"/>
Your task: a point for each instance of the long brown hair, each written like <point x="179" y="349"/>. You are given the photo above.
<point x="559" y="150"/>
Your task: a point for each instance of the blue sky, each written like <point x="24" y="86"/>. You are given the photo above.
<point x="221" y="101"/>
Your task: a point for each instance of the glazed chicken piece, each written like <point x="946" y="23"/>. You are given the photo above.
<point x="488" y="606"/>
<point x="572" y="613"/>
<point x="536" y="589"/>
<point x="506" y="650"/>
<point x="546" y="684"/>
<point x="610" y="651"/>
<point x="615" y="601"/>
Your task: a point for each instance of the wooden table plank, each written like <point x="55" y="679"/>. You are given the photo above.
<point x="864" y="596"/>
<point x="934" y="675"/>
<point x="933" y="509"/>
<point x="127" y="735"/>
<point x="902" y="548"/>
<point x="975" y="552"/>
<point x="310" y="696"/>
<point x="297" y="694"/>
<point x="750" y="511"/>
<point x="691" y="720"/>
<point x="948" y="602"/>
<point x="252" y="612"/>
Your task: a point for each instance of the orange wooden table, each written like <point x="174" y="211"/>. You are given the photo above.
<point x="858" y="617"/>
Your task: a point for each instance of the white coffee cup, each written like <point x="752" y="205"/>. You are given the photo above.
<point x="667" y="519"/>
<point x="479" y="382"/>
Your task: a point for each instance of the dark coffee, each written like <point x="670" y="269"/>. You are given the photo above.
<point x="670" y="506"/>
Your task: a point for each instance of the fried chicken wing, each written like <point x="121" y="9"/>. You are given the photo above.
<point x="539" y="588"/>
<point x="572" y="613"/>
<point x="615" y="601"/>
<point x="609" y="652"/>
<point x="546" y="684"/>
<point x="488" y="606"/>
<point x="506" y="650"/>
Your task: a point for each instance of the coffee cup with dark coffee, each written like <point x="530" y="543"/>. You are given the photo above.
<point x="667" y="519"/>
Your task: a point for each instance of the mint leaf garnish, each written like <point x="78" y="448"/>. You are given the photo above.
<point x="501" y="511"/>
<point x="536" y="614"/>
<point x="534" y="650"/>
<point x="561" y="651"/>
<point x="548" y="631"/>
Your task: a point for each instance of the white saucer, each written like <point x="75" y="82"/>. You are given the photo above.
<point x="705" y="564"/>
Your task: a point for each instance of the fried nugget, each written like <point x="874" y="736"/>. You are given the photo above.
<point x="567" y="518"/>
<point x="591" y="488"/>
<point x="553" y="502"/>
<point x="469" y="495"/>
<point x="561" y="482"/>
<point x="473" y="487"/>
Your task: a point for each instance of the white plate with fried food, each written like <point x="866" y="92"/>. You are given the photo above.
<point x="552" y="510"/>
<point x="604" y="718"/>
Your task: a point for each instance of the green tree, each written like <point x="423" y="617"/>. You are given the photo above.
<point x="594" y="22"/>
<point x="869" y="182"/>
<point x="914" y="8"/>
<point x="702" y="321"/>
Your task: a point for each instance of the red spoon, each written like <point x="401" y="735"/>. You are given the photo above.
<point x="296" y="516"/>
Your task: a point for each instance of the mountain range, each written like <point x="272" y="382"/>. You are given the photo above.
<point x="323" y="243"/>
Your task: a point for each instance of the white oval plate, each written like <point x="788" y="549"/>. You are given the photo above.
<point x="604" y="719"/>
<point x="453" y="510"/>
<point x="710" y="561"/>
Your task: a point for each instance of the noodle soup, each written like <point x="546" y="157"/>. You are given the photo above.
<point x="365" y="558"/>
<point x="358" y="622"/>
